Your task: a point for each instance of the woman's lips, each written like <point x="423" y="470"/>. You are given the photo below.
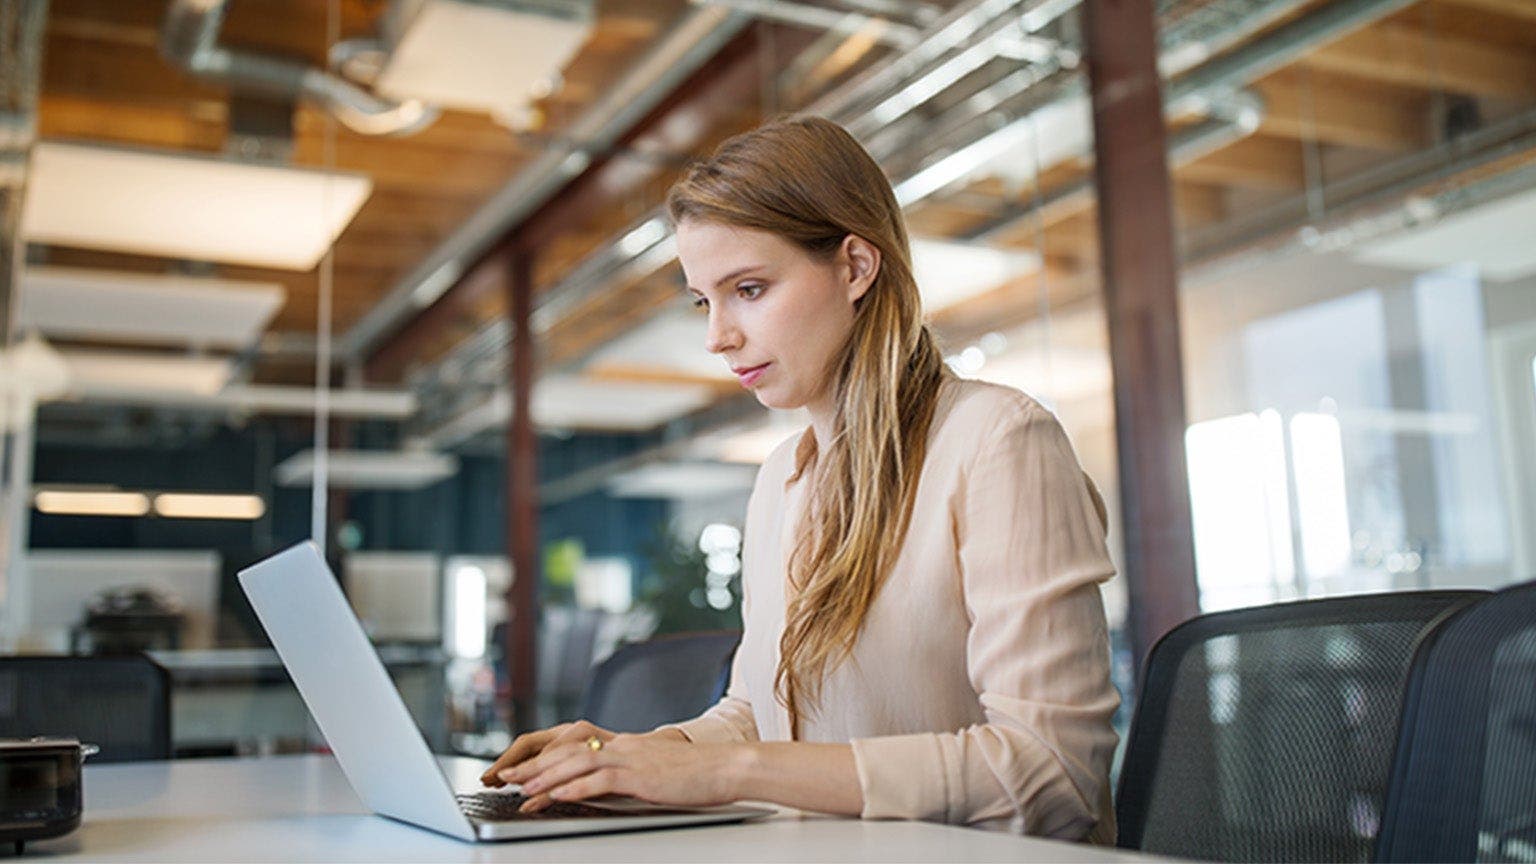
<point x="748" y="375"/>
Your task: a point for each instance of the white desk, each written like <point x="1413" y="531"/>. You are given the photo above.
<point x="300" y="808"/>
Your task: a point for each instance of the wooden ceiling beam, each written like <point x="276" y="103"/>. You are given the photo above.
<point x="1396" y="52"/>
<point x="1522" y="9"/>
<point x="1257" y="162"/>
<point x="1306" y="104"/>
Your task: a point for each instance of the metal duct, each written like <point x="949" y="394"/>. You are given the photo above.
<point x="189" y="39"/>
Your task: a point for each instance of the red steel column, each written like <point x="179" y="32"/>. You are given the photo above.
<point x="522" y="497"/>
<point x="1140" y="270"/>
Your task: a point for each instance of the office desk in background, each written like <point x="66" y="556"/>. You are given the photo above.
<point x="300" y="808"/>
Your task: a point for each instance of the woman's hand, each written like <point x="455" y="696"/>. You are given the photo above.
<point x="531" y="744"/>
<point x="663" y="768"/>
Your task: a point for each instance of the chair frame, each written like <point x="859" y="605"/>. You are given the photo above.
<point x="612" y="664"/>
<point x="1133" y="798"/>
<point x="160" y="722"/>
<point x="1438" y="761"/>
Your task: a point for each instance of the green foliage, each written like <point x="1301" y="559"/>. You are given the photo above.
<point x="675" y="588"/>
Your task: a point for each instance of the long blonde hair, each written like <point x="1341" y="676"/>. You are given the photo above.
<point x="807" y="180"/>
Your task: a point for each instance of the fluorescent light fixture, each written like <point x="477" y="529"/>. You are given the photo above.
<point x="124" y="372"/>
<point x="146" y="308"/>
<point x="369" y="469"/>
<point x="489" y="57"/>
<point x="683" y="480"/>
<point x="61" y="502"/>
<point x="186" y="206"/>
<point x="187" y="505"/>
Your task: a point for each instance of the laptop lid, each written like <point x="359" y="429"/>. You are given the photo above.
<point x="339" y="674"/>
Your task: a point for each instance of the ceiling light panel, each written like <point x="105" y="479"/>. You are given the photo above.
<point x="369" y="469"/>
<point x="484" y="56"/>
<point x="122" y="372"/>
<point x="186" y="206"/>
<point x="948" y="273"/>
<point x="145" y="308"/>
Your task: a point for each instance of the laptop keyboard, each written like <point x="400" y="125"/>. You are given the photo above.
<point x="502" y="807"/>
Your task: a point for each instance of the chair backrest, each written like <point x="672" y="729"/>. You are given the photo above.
<point x="1463" y="782"/>
<point x="1264" y="734"/>
<point x="643" y="685"/>
<point x="120" y="703"/>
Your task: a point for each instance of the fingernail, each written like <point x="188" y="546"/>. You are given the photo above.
<point x="508" y="774"/>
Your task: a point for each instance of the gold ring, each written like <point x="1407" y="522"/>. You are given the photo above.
<point x="594" y="743"/>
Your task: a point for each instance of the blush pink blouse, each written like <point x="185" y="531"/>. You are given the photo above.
<point x="978" y="690"/>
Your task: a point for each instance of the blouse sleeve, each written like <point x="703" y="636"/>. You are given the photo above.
<point x="1031" y="555"/>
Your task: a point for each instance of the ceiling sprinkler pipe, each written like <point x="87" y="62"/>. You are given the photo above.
<point x="189" y="39"/>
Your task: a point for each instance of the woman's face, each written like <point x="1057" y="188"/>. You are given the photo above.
<point x="777" y="315"/>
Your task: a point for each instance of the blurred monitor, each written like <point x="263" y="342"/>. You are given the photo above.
<point x="395" y="594"/>
<point x="61" y="582"/>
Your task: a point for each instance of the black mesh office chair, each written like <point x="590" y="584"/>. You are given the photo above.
<point x="1463" y="782"/>
<point x="1265" y="734"/>
<point x="120" y="703"/>
<point x="645" y="684"/>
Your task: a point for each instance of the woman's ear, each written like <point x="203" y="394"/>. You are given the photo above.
<point x="861" y="259"/>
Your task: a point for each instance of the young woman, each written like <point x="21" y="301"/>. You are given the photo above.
<point x="924" y="637"/>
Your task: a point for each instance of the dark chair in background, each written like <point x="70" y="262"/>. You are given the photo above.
<point x="1463" y="782"/>
<point x="1265" y="734"/>
<point x="645" y="684"/>
<point x="122" y="704"/>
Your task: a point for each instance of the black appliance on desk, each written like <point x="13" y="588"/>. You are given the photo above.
<point x="129" y="620"/>
<point x="40" y="789"/>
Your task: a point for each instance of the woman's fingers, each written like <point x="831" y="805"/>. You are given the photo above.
<point x="525" y="746"/>
<point x="573" y="756"/>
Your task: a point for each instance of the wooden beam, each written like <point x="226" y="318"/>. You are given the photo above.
<point x="1306" y="104"/>
<point x="1257" y="162"/>
<point x="1400" y="53"/>
<point x="1522" y="9"/>
<point x="1141" y="300"/>
<point x="1197" y="204"/>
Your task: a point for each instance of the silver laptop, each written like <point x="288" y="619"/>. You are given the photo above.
<point x="380" y="749"/>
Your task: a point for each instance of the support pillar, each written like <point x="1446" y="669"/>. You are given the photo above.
<point x="1140" y="275"/>
<point x="522" y="497"/>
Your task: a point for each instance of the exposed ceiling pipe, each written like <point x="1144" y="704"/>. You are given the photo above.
<point x="1237" y="117"/>
<point x="1375" y="200"/>
<point x="900" y="35"/>
<point x="1208" y="89"/>
<point x="189" y="39"/>
<point x="681" y="52"/>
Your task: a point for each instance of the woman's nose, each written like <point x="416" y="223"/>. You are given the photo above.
<point x="722" y="334"/>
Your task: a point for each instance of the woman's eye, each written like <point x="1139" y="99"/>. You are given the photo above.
<point x="750" y="291"/>
<point x="699" y="302"/>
